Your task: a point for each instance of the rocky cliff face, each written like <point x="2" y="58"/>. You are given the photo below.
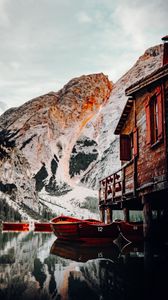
<point x="15" y="172"/>
<point x="38" y="138"/>
<point x="59" y="140"/>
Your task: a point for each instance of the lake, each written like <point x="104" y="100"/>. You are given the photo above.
<point x="38" y="266"/>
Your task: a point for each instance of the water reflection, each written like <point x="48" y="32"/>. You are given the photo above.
<point x="36" y="266"/>
<point x="83" y="252"/>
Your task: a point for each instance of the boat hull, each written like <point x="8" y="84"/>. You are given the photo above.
<point x="132" y="231"/>
<point x="12" y="226"/>
<point x="42" y="227"/>
<point x="92" y="231"/>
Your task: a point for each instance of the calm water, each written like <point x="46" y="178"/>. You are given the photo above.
<point x="37" y="266"/>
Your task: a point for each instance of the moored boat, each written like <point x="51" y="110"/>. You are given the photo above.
<point x="15" y="226"/>
<point x="91" y="231"/>
<point x="42" y="227"/>
<point x="132" y="231"/>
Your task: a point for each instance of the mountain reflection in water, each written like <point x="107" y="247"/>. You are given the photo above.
<point x="36" y="266"/>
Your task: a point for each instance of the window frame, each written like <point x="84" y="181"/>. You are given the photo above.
<point x="125" y="147"/>
<point x="129" y="145"/>
<point x="154" y="117"/>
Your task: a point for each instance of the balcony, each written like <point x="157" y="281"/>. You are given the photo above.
<point x="118" y="186"/>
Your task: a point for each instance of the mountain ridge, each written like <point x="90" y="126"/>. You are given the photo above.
<point x="70" y="140"/>
<point x="44" y="131"/>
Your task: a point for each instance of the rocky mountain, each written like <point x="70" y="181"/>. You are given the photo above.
<point x="58" y="142"/>
<point x="38" y="144"/>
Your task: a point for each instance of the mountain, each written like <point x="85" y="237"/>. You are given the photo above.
<point x="37" y="140"/>
<point x="56" y="146"/>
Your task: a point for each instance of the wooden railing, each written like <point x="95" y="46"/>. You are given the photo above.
<point x="110" y="188"/>
<point x="114" y="187"/>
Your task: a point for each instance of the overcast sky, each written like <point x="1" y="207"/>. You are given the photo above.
<point x="45" y="43"/>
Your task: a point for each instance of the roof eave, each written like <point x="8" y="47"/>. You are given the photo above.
<point x="156" y="75"/>
<point x="124" y="115"/>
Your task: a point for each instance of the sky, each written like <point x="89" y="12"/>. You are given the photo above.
<point x="45" y="43"/>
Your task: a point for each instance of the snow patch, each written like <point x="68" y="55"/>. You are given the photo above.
<point x="69" y="204"/>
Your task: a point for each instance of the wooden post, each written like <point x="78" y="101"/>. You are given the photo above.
<point x="109" y="213"/>
<point x="135" y="176"/>
<point x="102" y="214"/>
<point x="100" y="191"/>
<point x="126" y="214"/>
<point x="147" y="224"/>
<point x="113" y="190"/>
<point x="123" y="182"/>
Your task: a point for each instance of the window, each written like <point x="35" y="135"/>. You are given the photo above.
<point x="129" y="145"/>
<point x="154" y="119"/>
<point x="125" y="147"/>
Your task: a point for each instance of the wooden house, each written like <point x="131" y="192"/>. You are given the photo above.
<point x="142" y="181"/>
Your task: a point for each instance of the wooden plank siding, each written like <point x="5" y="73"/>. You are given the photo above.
<point x="129" y="179"/>
<point x="151" y="159"/>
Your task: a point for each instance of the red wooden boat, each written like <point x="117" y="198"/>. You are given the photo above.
<point x="91" y="231"/>
<point x="42" y="227"/>
<point x="15" y="226"/>
<point x="77" y="251"/>
<point x="132" y="231"/>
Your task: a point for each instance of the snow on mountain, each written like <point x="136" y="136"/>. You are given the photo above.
<point x="80" y="201"/>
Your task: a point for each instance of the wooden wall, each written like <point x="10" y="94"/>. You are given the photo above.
<point x="151" y="160"/>
<point x="166" y="121"/>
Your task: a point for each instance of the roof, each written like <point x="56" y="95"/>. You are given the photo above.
<point x="132" y="89"/>
<point x="124" y="115"/>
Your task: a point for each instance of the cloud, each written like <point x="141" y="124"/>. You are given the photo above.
<point x="4" y="18"/>
<point x="139" y="21"/>
<point x="83" y="17"/>
<point x="46" y="43"/>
